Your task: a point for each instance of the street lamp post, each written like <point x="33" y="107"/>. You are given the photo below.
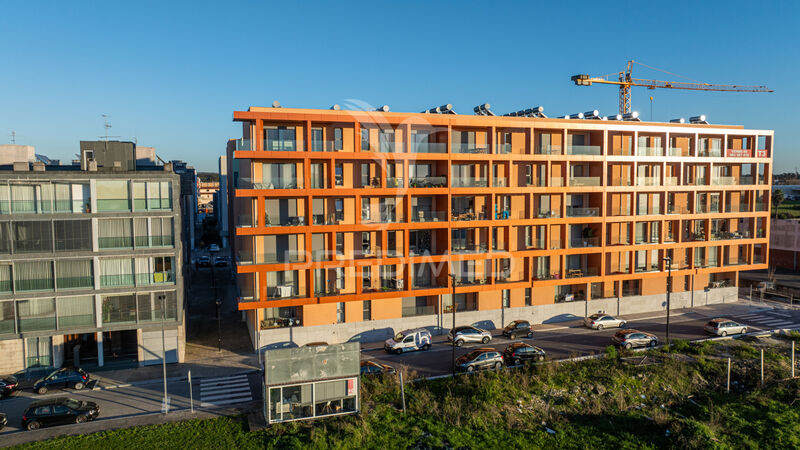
<point x="219" y="326"/>
<point x="164" y="349"/>
<point x="453" y="329"/>
<point x="668" y="262"/>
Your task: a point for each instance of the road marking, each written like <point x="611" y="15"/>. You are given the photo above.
<point x="225" y="390"/>
<point x="782" y="315"/>
<point x="776" y="322"/>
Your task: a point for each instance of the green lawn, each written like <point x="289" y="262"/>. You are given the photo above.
<point x="790" y="207"/>
<point x="671" y="400"/>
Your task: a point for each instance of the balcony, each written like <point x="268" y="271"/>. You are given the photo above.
<point x="556" y="181"/>
<point x="280" y="322"/>
<point x="504" y="149"/>
<point x="649" y="151"/>
<point x="394" y="182"/>
<point x="696" y="181"/>
<point x="244" y="221"/>
<point x="465" y="215"/>
<point x="459" y="182"/>
<point x="741" y="207"/>
<point x="429" y="147"/>
<point x="724" y="181"/>
<point x="469" y="281"/>
<point x="746" y="180"/>
<point x="671" y="181"/>
<point x="285" y="221"/>
<point x="547" y="214"/>
<point x="481" y="149"/>
<point x="247" y="258"/>
<point x="584" y="181"/>
<point x="275" y="183"/>
<point x="762" y="207"/>
<point x="385" y="217"/>
<point x="583" y="272"/>
<point x="648" y="181"/>
<point x="713" y="153"/>
<point x="694" y="237"/>
<point x="387" y="146"/>
<point x="575" y="211"/>
<point x="621" y="182"/>
<point x="280" y="145"/>
<point x="584" y="242"/>
<point x="676" y="209"/>
<point x="291" y="290"/>
<point x="499" y="182"/>
<point x="547" y="276"/>
<point x="244" y="145"/>
<point x="646" y="240"/>
<point x="556" y="244"/>
<point x="678" y="151"/>
<point x="548" y="150"/>
<point x="428" y="182"/>
<point x="728" y="235"/>
<point x="620" y="211"/>
<point x="584" y="150"/>
<point x="507" y="214"/>
<point x="647" y="267"/>
<point x="423" y="215"/>
<point x="461" y="247"/>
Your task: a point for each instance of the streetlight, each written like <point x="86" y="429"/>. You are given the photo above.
<point x="453" y="329"/>
<point x="219" y="326"/>
<point x="162" y="297"/>
<point x="668" y="262"/>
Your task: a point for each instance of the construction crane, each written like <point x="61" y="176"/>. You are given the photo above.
<point x="625" y="81"/>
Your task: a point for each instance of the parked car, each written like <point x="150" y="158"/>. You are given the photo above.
<point x="372" y="367"/>
<point x="3" y="421"/>
<point x="408" y="340"/>
<point x="634" y="338"/>
<point x="8" y="386"/>
<point x="213" y="248"/>
<point x="204" y="261"/>
<point x="460" y="335"/>
<point x="58" y="411"/>
<point x="482" y="358"/>
<point x="220" y="261"/>
<point x="518" y="328"/>
<point x="28" y="377"/>
<point x="520" y="352"/>
<point x="600" y="320"/>
<point x="71" y="376"/>
<point x="724" y="327"/>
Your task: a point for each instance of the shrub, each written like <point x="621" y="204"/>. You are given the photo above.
<point x="611" y="352"/>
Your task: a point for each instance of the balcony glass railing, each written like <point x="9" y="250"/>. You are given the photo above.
<point x="429" y="147"/>
<point x="649" y="151"/>
<point x="382" y="218"/>
<point x="548" y="150"/>
<point x="650" y="267"/>
<point x="413" y="311"/>
<point x="675" y="209"/>
<point x="584" y="150"/>
<point x="741" y="207"/>
<point x="584" y="181"/>
<point x="547" y="214"/>
<point x="284" y="221"/>
<point x="279" y="145"/>
<point x="621" y="211"/>
<point x="469" y="182"/>
<point x="648" y="181"/>
<point x="556" y="244"/>
<point x="646" y="240"/>
<point x="394" y="182"/>
<point x="584" y="242"/>
<point x="576" y="211"/>
<point x="428" y="182"/>
<point x="507" y="214"/>
<point x="467" y="215"/>
<point x="724" y="181"/>
<point x="556" y="181"/>
<point x="583" y="272"/>
<point x="504" y="149"/>
<point x="465" y="247"/>
<point x="387" y="147"/>
<point x="246" y="258"/>
<point x="471" y="148"/>
<point x="499" y="182"/>
<point x="275" y="183"/>
<point x="678" y="151"/>
<point x="670" y="181"/>
<point x="621" y="182"/>
<point x="762" y="207"/>
<point x="696" y="181"/>
<point x="423" y="215"/>
<point x="713" y="153"/>
<point x="245" y="221"/>
<point x="244" y="145"/>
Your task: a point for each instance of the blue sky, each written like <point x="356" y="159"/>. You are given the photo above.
<point x="171" y="73"/>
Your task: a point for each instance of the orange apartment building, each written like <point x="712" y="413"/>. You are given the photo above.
<point x="347" y="224"/>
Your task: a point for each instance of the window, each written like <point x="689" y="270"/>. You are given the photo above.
<point x="161" y="232"/>
<point x="30" y="236"/>
<point x="366" y="277"/>
<point x="5" y="278"/>
<point x="528" y="297"/>
<point x="73" y="235"/>
<point x="7" y="317"/>
<point x="37" y="314"/>
<point x="74" y="274"/>
<point x="116" y="272"/>
<point x="23" y="198"/>
<point x="112" y="195"/>
<point x="338" y="140"/>
<point x="279" y="139"/>
<point x="33" y="276"/>
<point x="114" y="233"/>
<point x="367" y="310"/>
<point x="528" y="174"/>
<point x="339" y="175"/>
<point x="119" y="308"/>
<point x="158" y="195"/>
<point x="5" y="237"/>
<point x="75" y="311"/>
<point x="365" y="139"/>
<point x="317" y="144"/>
<point x="340" y="312"/>
<point x="340" y="244"/>
<point x="159" y="306"/>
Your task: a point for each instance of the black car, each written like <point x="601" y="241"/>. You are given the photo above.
<point x="73" y="376"/>
<point x="518" y="328"/>
<point x="8" y="385"/>
<point x="3" y="421"/>
<point x="58" y="411"/>
<point x="28" y="377"/>
<point x="372" y="367"/>
<point x="520" y="352"/>
<point x="482" y="358"/>
<point x="204" y="261"/>
<point x="220" y="261"/>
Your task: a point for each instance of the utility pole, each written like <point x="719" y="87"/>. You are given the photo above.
<point x="453" y="329"/>
<point x="219" y="326"/>
<point x="668" y="262"/>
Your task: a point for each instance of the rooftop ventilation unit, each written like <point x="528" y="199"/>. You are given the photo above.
<point x="536" y="111"/>
<point x="701" y="119"/>
<point x="678" y="120"/>
<point x="575" y="116"/>
<point x="593" y="114"/>
<point x="276" y="104"/>
<point x="444" y="109"/>
<point x="336" y="107"/>
<point x="384" y="108"/>
<point x="631" y="116"/>
<point x="483" y="110"/>
<point x="613" y="117"/>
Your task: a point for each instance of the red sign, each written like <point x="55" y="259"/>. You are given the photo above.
<point x="739" y="153"/>
<point x="763" y="153"/>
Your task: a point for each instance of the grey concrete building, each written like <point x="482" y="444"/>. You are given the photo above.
<point x="90" y="262"/>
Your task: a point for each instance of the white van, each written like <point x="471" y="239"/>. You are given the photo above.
<point x="408" y="340"/>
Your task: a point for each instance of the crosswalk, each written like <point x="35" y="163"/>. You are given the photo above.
<point x="225" y="391"/>
<point x="771" y="320"/>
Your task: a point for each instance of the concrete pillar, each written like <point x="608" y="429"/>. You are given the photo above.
<point x="99" y="338"/>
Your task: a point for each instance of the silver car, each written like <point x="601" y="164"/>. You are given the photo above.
<point x="724" y="327"/>
<point x="468" y="334"/>
<point x="599" y="321"/>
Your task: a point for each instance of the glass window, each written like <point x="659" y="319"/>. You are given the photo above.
<point x="139" y="195"/>
<point x="161" y="232"/>
<point x="338" y="140"/>
<point x="23" y="198"/>
<point x="365" y="139"/>
<point x="30" y="236"/>
<point x="5" y="237"/>
<point x="112" y="195"/>
<point x="5" y="278"/>
<point x="141" y="238"/>
<point x="114" y="233"/>
<point x="158" y="306"/>
<point x="5" y="197"/>
<point x="75" y="311"/>
<point x="33" y="275"/>
<point x="74" y="274"/>
<point x="119" y="308"/>
<point x="73" y="235"/>
<point x="158" y="195"/>
<point x="7" y="317"/>
<point x="37" y="314"/>
<point x="116" y="272"/>
<point x="316" y="140"/>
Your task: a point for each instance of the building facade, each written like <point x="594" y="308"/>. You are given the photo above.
<point x="205" y="195"/>
<point x="221" y="201"/>
<point x="89" y="264"/>
<point x="348" y="224"/>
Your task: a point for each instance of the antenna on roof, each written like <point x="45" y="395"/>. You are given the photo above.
<point x="13" y="137"/>
<point x="483" y="110"/>
<point x="107" y="126"/>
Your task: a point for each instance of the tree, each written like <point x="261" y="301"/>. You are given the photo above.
<point x="777" y="199"/>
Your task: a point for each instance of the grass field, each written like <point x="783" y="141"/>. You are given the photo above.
<point x="790" y="208"/>
<point x="670" y="399"/>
